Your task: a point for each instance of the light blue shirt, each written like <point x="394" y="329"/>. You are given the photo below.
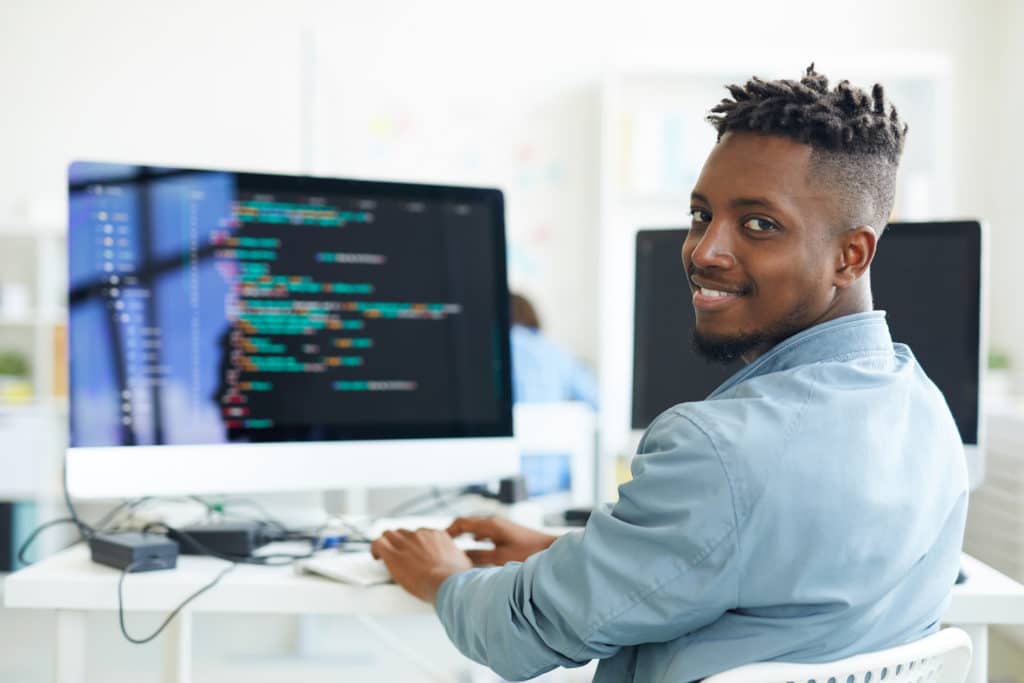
<point x="544" y="372"/>
<point x="810" y="509"/>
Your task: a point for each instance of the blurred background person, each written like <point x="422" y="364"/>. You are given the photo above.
<point x="543" y="371"/>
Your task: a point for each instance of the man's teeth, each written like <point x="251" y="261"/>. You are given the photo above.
<point x="714" y="292"/>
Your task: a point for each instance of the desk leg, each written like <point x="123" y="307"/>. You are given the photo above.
<point x="307" y="626"/>
<point x="178" y="649"/>
<point x="978" y="673"/>
<point x="403" y="650"/>
<point x="69" y="662"/>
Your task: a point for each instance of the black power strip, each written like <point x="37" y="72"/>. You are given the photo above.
<point x="222" y="539"/>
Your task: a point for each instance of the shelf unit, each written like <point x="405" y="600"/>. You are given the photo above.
<point x="33" y="260"/>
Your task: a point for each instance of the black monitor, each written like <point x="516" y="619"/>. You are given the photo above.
<point x="926" y="276"/>
<point x="666" y="370"/>
<point x="240" y="332"/>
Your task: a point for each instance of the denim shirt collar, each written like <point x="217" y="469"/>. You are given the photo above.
<point x="849" y="335"/>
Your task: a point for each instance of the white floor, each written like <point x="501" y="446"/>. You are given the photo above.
<point x="1006" y="656"/>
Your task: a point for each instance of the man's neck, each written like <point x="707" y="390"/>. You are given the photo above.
<point x="846" y="302"/>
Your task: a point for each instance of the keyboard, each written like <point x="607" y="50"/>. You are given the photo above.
<point x="358" y="569"/>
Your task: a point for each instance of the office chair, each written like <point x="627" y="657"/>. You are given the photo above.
<point x="942" y="657"/>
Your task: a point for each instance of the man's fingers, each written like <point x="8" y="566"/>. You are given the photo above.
<point x="483" y="557"/>
<point x="457" y="528"/>
<point x="480" y="527"/>
<point x="396" y="539"/>
<point x="381" y="546"/>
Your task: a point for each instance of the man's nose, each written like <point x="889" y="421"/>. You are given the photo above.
<point x="715" y="248"/>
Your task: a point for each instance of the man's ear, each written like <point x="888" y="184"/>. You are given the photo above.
<point x="857" y="250"/>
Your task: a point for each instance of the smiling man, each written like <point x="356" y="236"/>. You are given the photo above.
<point x="812" y="507"/>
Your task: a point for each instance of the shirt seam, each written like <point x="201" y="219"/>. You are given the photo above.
<point x="728" y="478"/>
<point x="700" y="558"/>
<point x="787" y="435"/>
<point x="848" y="325"/>
<point x="856" y="354"/>
<point x="654" y="589"/>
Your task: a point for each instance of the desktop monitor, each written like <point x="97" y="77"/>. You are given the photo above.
<point x="928" y="277"/>
<point x="242" y="332"/>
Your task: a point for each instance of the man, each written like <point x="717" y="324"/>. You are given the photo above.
<point x="812" y="507"/>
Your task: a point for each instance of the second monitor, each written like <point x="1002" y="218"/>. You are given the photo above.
<point x="928" y="277"/>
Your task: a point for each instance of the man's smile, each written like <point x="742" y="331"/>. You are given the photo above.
<point x="711" y="296"/>
<point x="712" y="300"/>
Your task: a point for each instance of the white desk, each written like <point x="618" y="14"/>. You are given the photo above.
<point x="72" y="585"/>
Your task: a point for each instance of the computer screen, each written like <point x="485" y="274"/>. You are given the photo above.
<point x="666" y="370"/>
<point x="216" y="314"/>
<point x="926" y="276"/>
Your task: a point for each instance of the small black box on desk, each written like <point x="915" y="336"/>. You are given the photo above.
<point x="134" y="551"/>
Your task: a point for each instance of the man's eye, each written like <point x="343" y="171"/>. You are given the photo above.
<point x="760" y="225"/>
<point x="699" y="216"/>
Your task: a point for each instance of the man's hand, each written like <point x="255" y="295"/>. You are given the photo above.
<point x="512" y="543"/>
<point x="420" y="561"/>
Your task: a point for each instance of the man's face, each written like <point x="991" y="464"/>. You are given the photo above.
<point x="760" y="253"/>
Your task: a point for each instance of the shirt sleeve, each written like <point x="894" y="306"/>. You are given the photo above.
<point x="662" y="562"/>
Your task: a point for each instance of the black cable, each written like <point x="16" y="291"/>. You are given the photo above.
<point x="439" y="500"/>
<point x="263" y="560"/>
<point x="361" y="535"/>
<point x="104" y="522"/>
<point x="250" y="502"/>
<point x="174" y="612"/>
<point x="84" y="530"/>
<point x="410" y="504"/>
<point x="35" y="533"/>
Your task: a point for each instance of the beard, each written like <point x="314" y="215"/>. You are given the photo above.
<point x="726" y="349"/>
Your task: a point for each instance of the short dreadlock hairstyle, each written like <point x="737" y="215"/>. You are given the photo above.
<point x="856" y="138"/>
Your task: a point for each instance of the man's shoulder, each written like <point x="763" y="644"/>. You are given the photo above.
<point x="765" y="403"/>
<point x="752" y="423"/>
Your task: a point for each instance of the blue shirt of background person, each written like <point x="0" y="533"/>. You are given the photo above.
<point x="543" y="371"/>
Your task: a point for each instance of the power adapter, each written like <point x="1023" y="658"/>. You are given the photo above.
<point x="234" y="539"/>
<point x="512" y="490"/>
<point x="134" y="551"/>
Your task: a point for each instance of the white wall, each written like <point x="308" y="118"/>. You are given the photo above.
<point x="999" y="118"/>
<point x="455" y="91"/>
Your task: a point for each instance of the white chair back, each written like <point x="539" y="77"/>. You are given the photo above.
<point x="942" y="657"/>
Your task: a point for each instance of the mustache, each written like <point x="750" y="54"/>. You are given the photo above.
<point x="709" y="274"/>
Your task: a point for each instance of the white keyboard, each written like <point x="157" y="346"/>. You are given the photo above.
<point x="359" y="569"/>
